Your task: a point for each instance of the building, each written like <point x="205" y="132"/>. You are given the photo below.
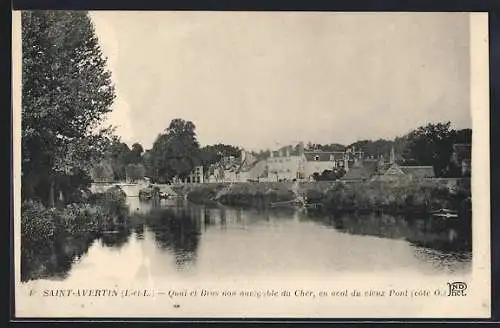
<point x="318" y="162"/>
<point x="363" y="170"/>
<point x="396" y="171"/>
<point x="286" y="164"/>
<point x="256" y="172"/>
<point x="244" y="168"/>
<point x="196" y="176"/>
<point x="296" y="163"/>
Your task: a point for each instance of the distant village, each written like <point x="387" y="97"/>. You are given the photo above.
<point x="292" y="163"/>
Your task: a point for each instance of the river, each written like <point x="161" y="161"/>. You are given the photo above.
<point x="183" y="244"/>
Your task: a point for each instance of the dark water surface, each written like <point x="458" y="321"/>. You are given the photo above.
<point x="187" y="241"/>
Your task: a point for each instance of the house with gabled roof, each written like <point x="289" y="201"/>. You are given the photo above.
<point x="396" y="171"/>
<point x="286" y="164"/>
<point x="319" y="161"/>
<point x="362" y="171"/>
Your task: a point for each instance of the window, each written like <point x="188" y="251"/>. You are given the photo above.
<point x="316" y="158"/>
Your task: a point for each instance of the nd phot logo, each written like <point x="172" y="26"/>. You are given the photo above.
<point x="457" y="288"/>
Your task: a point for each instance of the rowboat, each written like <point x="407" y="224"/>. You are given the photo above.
<point x="445" y="213"/>
<point x="287" y="203"/>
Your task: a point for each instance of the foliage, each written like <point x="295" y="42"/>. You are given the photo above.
<point x="112" y="202"/>
<point x="329" y="175"/>
<point x="433" y="145"/>
<point x="326" y="147"/>
<point x="51" y="237"/>
<point x="256" y="194"/>
<point x="409" y="196"/>
<point x="66" y="92"/>
<point x="175" y="152"/>
<point x="117" y="155"/>
<point x="37" y="223"/>
<point x="135" y="172"/>
<point x="212" y="154"/>
<point x="135" y="154"/>
<point x="103" y="172"/>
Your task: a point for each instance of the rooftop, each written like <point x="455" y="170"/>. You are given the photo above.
<point x="418" y="171"/>
<point x="323" y="156"/>
<point x="360" y="172"/>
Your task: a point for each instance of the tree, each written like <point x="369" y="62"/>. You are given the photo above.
<point x="103" y="172"/>
<point x="374" y="149"/>
<point x="135" y="172"/>
<point x="463" y="136"/>
<point x="431" y="145"/>
<point x="212" y="154"/>
<point x="175" y="152"/>
<point x="135" y="155"/>
<point x="118" y="154"/>
<point x="329" y="175"/>
<point x="66" y="92"/>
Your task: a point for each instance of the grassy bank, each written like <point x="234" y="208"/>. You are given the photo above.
<point x="52" y="237"/>
<point x="237" y="194"/>
<point x="416" y="196"/>
<point x="420" y="196"/>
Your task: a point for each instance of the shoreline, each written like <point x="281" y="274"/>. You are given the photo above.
<point x="390" y="197"/>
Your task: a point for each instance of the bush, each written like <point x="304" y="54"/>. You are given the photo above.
<point x="37" y="223"/>
<point x="51" y="237"/>
<point x="112" y="202"/>
<point x="409" y="196"/>
<point x="80" y="220"/>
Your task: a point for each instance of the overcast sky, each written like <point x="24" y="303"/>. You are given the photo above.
<point x="260" y="80"/>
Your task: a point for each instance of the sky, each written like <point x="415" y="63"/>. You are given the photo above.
<point x="260" y="80"/>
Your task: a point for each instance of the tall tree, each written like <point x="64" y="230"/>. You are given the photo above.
<point x="212" y="154"/>
<point x="176" y="152"/>
<point x="118" y="154"/>
<point x="431" y="145"/>
<point x="463" y="136"/>
<point x="135" y="172"/>
<point x="66" y="92"/>
<point x="135" y="154"/>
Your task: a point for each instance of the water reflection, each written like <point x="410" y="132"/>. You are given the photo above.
<point x="52" y="260"/>
<point x="176" y="230"/>
<point x="115" y="239"/>
<point x="213" y="241"/>
<point x="421" y="231"/>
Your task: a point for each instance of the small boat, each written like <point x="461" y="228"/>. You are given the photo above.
<point x="164" y="195"/>
<point x="313" y="205"/>
<point x="445" y="213"/>
<point x="287" y="203"/>
<point x="110" y="232"/>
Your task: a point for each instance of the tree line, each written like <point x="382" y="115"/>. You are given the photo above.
<point x="176" y="152"/>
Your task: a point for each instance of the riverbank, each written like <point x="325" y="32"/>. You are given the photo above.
<point x="397" y="197"/>
<point x="52" y="237"/>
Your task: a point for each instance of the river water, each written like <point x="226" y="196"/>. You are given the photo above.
<point x="182" y="244"/>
